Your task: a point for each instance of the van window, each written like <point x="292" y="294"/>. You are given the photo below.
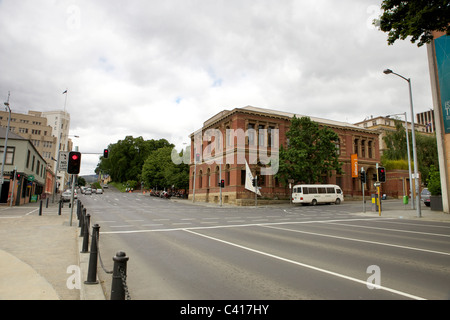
<point x="305" y="190"/>
<point x="312" y="190"/>
<point x="338" y="190"/>
<point x="322" y="190"/>
<point x="330" y="190"/>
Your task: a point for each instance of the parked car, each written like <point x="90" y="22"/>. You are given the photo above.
<point x="88" y="191"/>
<point x="99" y="191"/>
<point x="425" y="196"/>
<point x="67" y="195"/>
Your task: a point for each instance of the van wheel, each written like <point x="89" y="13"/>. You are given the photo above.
<point x="314" y="202"/>
<point x="338" y="201"/>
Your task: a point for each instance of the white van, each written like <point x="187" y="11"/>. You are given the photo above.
<point x="317" y="193"/>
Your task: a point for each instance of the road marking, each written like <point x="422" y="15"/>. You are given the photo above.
<point x="388" y="229"/>
<point x="233" y="225"/>
<point x="339" y="275"/>
<point x="359" y="240"/>
<point x="123" y="226"/>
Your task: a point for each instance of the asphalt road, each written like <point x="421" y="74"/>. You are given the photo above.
<point x="179" y="250"/>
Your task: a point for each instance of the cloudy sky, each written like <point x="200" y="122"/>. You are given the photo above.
<point x="159" y="69"/>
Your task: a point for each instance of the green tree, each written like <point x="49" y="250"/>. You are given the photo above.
<point x="310" y="154"/>
<point x="159" y="170"/>
<point x="434" y="181"/>
<point x="396" y="149"/>
<point x="415" y="18"/>
<point x="126" y="157"/>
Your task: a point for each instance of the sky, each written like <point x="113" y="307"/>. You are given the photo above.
<point x="159" y="69"/>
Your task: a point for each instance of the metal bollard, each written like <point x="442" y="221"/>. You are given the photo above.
<point x="120" y="270"/>
<point x="92" y="270"/>
<point x="82" y="220"/>
<point x="46" y="205"/>
<point x="59" y="208"/>
<point x="81" y="215"/>
<point x="86" y="234"/>
<point x="40" y="208"/>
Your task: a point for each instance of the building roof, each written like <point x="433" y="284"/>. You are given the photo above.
<point x="11" y="135"/>
<point x="282" y="114"/>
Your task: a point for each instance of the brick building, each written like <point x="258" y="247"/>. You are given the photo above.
<point x="231" y="138"/>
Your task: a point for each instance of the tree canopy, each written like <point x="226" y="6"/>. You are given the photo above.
<point x="396" y="149"/>
<point x="126" y="157"/>
<point x="415" y="18"/>
<point x="310" y="154"/>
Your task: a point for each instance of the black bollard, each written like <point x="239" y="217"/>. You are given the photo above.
<point x="40" y="208"/>
<point x="86" y="235"/>
<point x="46" y="205"/>
<point x="120" y="270"/>
<point x="82" y="222"/>
<point x="59" y="208"/>
<point x="92" y="270"/>
<point x="80" y="217"/>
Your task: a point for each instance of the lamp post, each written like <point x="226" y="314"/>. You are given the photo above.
<point x="409" y="155"/>
<point x="6" y="144"/>
<point x="416" y="164"/>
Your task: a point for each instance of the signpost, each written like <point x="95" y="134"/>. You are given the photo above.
<point x="63" y="160"/>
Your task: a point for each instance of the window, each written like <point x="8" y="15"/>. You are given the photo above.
<point x="330" y="190"/>
<point x="338" y="146"/>
<point x="370" y="155"/>
<point x="312" y="190"/>
<point x="251" y="134"/>
<point x="9" y="159"/>
<point x="356" y="147"/>
<point x="261" y="135"/>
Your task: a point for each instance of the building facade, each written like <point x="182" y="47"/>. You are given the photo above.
<point x="35" y="128"/>
<point x="386" y="125"/>
<point x="221" y="148"/>
<point x="22" y="156"/>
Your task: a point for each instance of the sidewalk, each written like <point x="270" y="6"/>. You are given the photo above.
<point x="40" y="256"/>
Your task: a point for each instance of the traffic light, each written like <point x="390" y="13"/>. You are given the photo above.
<point x="73" y="166"/>
<point x="222" y="183"/>
<point x="381" y="174"/>
<point x="363" y="177"/>
<point x="105" y="153"/>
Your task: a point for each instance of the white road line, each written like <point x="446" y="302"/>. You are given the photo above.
<point x="388" y="229"/>
<point x="359" y="240"/>
<point x="231" y="226"/>
<point x="339" y="275"/>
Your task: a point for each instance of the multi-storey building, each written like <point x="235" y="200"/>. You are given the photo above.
<point x="22" y="156"/>
<point x="426" y="119"/>
<point x="34" y="128"/>
<point x="385" y="125"/>
<point x="60" y="122"/>
<point x="221" y="148"/>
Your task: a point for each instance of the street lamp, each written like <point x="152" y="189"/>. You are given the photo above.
<point x="409" y="155"/>
<point x="416" y="164"/>
<point x="6" y="145"/>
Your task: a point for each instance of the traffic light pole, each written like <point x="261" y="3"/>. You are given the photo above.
<point x="363" y="184"/>
<point x="378" y="191"/>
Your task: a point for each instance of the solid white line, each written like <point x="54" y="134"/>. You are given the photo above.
<point x="308" y="266"/>
<point x="235" y="225"/>
<point x="388" y="229"/>
<point x="359" y="240"/>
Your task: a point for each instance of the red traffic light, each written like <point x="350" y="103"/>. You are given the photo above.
<point x="73" y="167"/>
